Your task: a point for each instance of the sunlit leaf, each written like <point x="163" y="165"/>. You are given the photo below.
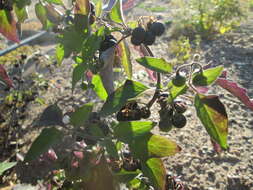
<point x="8" y="26"/>
<point x="155" y="64"/>
<point x="126" y="176"/>
<point x="78" y="73"/>
<point x="154" y="169"/>
<point x="233" y="88"/>
<point x="128" y="131"/>
<point x="82" y="7"/>
<point x="124" y="54"/>
<point x="41" y="14"/>
<point x="99" y="87"/>
<point x="59" y="54"/>
<point x="119" y="97"/>
<point x="116" y="13"/>
<point x="99" y="8"/>
<point x="47" y="138"/>
<point x="213" y="115"/>
<point x="52" y="115"/>
<point x="153" y="146"/>
<point x="175" y="91"/>
<point x="21" y="13"/>
<point x="207" y="77"/>
<point x="5" y="166"/>
<point x="81" y="114"/>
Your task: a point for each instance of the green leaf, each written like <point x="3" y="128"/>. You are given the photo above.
<point x="92" y="44"/>
<point x="99" y="8"/>
<point x="207" y="77"/>
<point x="81" y="114"/>
<point x="59" y="54"/>
<point x="128" y="131"/>
<point x="111" y="148"/>
<point x="57" y="2"/>
<point x="213" y="115"/>
<point x="47" y="138"/>
<point x="116" y="13"/>
<point x="41" y="14"/>
<point x="126" y="176"/>
<point x="52" y="115"/>
<point x="99" y="87"/>
<point x="119" y="97"/>
<point x="124" y="54"/>
<point x="5" y="166"/>
<point x="21" y="13"/>
<point x="78" y="73"/>
<point x="8" y="26"/>
<point x="153" y="146"/>
<point x="175" y="91"/>
<point x="155" y="64"/>
<point x="154" y="169"/>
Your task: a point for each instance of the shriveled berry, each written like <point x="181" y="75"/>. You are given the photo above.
<point x="179" y="120"/>
<point x="145" y="112"/>
<point x="138" y="34"/>
<point x="149" y="38"/>
<point x="180" y="106"/>
<point x="157" y="28"/>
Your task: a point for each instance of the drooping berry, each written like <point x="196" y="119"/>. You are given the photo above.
<point x="149" y="38"/>
<point x="199" y="79"/>
<point x="157" y="28"/>
<point x="129" y="112"/>
<point x="179" y="120"/>
<point x="138" y="34"/>
<point x="179" y="80"/>
<point x="135" y="41"/>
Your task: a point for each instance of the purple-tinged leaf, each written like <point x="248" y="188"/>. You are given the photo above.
<point x="8" y="26"/>
<point x="213" y="115"/>
<point x="217" y="148"/>
<point x="4" y="77"/>
<point x="239" y="92"/>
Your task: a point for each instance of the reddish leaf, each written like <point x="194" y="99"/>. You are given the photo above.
<point x="4" y="77"/>
<point x="233" y="88"/>
<point x="8" y="26"/>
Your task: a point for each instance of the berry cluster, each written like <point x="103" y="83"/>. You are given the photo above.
<point x="147" y="37"/>
<point x="171" y="114"/>
<point x="128" y="163"/>
<point x="132" y="112"/>
<point x="6" y="5"/>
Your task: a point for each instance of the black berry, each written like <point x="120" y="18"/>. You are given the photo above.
<point x="199" y="80"/>
<point x="165" y="124"/>
<point x="157" y="28"/>
<point x="135" y="41"/>
<point x="180" y="106"/>
<point x="145" y="113"/>
<point x="179" y="120"/>
<point x="178" y="80"/>
<point x="149" y="38"/>
<point x="108" y="42"/>
<point x="138" y="34"/>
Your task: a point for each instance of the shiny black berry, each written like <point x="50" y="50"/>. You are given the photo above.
<point x="179" y="80"/>
<point x="138" y="34"/>
<point x="165" y="124"/>
<point x="179" y="120"/>
<point x="108" y="42"/>
<point x="199" y="79"/>
<point x="149" y="38"/>
<point x="157" y="28"/>
<point x="136" y="41"/>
